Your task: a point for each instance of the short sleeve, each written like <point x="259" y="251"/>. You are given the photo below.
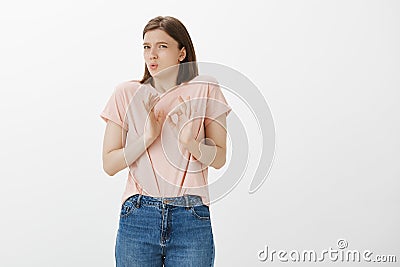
<point x="115" y="108"/>
<point x="216" y="104"/>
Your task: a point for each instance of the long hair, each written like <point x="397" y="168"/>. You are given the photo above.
<point x="174" y="28"/>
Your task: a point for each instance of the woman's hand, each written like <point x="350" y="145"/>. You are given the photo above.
<point x="183" y="128"/>
<point x="154" y="122"/>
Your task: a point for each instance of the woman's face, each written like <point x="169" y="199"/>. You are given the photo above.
<point x="161" y="51"/>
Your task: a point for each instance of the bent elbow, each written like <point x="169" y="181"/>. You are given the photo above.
<point x="108" y="170"/>
<point x="219" y="164"/>
<point x="109" y="173"/>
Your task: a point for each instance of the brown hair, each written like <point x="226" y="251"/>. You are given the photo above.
<point x="174" y="28"/>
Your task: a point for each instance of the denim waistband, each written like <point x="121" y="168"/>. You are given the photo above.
<point x="184" y="201"/>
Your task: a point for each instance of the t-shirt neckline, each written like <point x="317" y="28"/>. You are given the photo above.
<point x="166" y="92"/>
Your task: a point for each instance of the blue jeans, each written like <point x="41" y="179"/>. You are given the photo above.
<point x="170" y="232"/>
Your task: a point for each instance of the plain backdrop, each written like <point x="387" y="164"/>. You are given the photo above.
<point x="329" y="70"/>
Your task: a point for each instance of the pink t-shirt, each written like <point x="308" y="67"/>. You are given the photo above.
<point x="165" y="169"/>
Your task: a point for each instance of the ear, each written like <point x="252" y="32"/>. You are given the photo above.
<point x="182" y="54"/>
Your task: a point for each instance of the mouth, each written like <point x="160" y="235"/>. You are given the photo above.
<point x="153" y="66"/>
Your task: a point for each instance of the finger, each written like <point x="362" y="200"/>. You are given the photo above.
<point x="170" y="122"/>
<point x="160" y="115"/>
<point x="179" y="123"/>
<point x="154" y="101"/>
<point x="155" y="97"/>
<point x="150" y="100"/>
<point x="151" y="115"/>
<point x="150" y="97"/>
<point x="181" y="101"/>
<point x="188" y="107"/>
<point x="151" y="105"/>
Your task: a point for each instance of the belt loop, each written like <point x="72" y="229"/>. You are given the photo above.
<point x="138" y="201"/>
<point x="186" y="201"/>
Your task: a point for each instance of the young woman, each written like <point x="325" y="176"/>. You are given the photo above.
<point x="167" y="128"/>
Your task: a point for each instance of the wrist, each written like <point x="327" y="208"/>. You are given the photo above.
<point x="148" y="140"/>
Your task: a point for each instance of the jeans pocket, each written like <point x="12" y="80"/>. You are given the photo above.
<point x="128" y="207"/>
<point x="201" y="212"/>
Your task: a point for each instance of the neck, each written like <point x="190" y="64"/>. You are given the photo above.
<point x="165" y="80"/>
<point x="163" y="85"/>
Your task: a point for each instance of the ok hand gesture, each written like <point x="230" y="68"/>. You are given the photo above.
<point x="182" y="128"/>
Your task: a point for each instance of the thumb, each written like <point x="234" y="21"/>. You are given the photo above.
<point x="170" y="122"/>
<point x="160" y="115"/>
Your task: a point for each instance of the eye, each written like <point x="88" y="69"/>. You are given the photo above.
<point x="146" y="47"/>
<point x="163" y="46"/>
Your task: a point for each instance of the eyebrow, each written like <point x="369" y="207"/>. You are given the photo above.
<point x="162" y="42"/>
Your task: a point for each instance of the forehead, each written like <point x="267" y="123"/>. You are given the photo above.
<point x="158" y="35"/>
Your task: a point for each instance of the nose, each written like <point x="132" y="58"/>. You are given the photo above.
<point x="153" y="53"/>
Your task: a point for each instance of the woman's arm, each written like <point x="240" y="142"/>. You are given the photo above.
<point x="115" y="156"/>
<point x="213" y="152"/>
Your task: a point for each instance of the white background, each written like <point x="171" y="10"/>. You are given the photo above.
<point x="328" y="69"/>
